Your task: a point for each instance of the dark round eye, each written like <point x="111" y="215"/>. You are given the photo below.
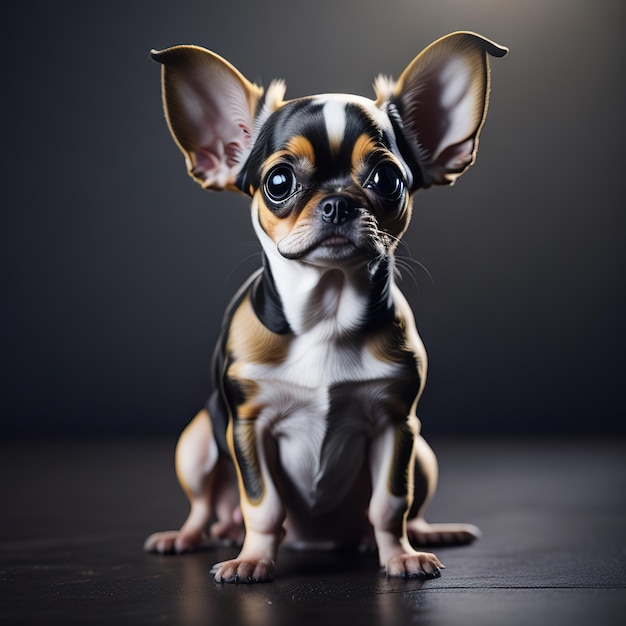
<point x="387" y="183"/>
<point x="280" y="184"/>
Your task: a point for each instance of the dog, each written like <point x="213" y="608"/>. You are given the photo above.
<point x="310" y="436"/>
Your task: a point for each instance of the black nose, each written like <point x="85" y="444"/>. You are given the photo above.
<point x="337" y="209"/>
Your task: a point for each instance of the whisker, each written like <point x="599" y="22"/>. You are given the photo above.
<point x="411" y="266"/>
<point x="406" y="262"/>
<point x="242" y="262"/>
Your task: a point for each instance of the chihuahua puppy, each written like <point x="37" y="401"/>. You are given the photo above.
<point x="310" y="434"/>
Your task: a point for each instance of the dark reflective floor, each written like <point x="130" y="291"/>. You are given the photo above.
<point x="73" y="517"/>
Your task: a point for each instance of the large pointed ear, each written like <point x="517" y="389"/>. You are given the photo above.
<point x="441" y="98"/>
<point x="210" y="109"/>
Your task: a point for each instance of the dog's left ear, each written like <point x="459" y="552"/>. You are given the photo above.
<point x="210" y="108"/>
<point x="441" y="98"/>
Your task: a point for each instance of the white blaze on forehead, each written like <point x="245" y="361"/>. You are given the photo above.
<point x="335" y="118"/>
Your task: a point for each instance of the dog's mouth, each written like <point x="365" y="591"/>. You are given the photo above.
<point x="335" y="241"/>
<point x="321" y="247"/>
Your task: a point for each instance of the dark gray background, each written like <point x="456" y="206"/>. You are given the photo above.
<point x="116" y="267"/>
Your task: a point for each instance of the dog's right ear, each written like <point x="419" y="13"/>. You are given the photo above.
<point x="210" y="109"/>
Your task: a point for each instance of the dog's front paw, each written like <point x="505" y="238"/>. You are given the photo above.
<point x="244" y="571"/>
<point x="414" y="565"/>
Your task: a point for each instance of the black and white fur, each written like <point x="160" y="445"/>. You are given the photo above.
<point x="310" y="434"/>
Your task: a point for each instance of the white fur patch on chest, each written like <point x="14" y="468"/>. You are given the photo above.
<point x="322" y="405"/>
<point x="315" y="362"/>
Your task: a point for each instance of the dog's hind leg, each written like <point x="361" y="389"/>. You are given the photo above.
<point x="420" y="532"/>
<point x="198" y="465"/>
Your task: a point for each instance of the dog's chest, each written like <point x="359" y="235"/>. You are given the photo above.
<point x="322" y="405"/>
<point x="323" y="393"/>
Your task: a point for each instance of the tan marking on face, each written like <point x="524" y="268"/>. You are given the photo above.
<point x="394" y="223"/>
<point x="302" y="150"/>
<point x="276" y="227"/>
<point x="363" y="146"/>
